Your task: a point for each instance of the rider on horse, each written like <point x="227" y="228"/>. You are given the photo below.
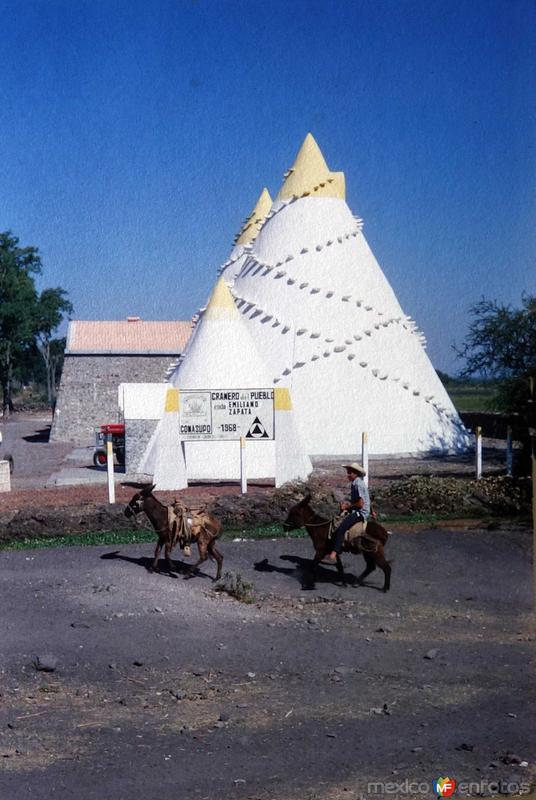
<point x="358" y="506"/>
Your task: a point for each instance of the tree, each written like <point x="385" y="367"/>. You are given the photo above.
<point x="52" y="306"/>
<point x="26" y="318"/>
<point x="501" y="344"/>
<point x="18" y="298"/>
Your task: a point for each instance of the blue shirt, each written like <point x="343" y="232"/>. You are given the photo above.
<point x="359" y="490"/>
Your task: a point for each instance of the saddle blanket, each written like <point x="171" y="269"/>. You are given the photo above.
<point x="355" y="532"/>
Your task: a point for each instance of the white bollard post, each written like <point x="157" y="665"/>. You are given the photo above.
<point x="110" y="466"/>
<point x="243" y="471"/>
<point x="509" y="452"/>
<point x="478" y="434"/>
<point x="5" y="476"/>
<point x="364" y="455"/>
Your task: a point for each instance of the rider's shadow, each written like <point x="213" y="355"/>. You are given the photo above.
<point x="302" y="572"/>
<point x="181" y="567"/>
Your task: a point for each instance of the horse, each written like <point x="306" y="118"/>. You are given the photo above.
<point x="319" y="529"/>
<point x="205" y="529"/>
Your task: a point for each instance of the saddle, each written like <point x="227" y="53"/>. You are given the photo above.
<point x="356" y="537"/>
<point x="185" y="525"/>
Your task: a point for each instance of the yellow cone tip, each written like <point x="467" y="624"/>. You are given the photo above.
<point x="310" y="176"/>
<point x="221" y="304"/>
<point x="255" y="220"/>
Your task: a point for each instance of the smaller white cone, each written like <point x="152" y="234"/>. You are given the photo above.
<point x="291" y="461"/>
<point x="164" y="458"/>
<point x="222" y="355"/>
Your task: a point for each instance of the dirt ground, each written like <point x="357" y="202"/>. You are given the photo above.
<point x="164" y="689"/>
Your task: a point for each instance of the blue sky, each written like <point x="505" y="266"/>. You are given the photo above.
<point x="136" y="136"/>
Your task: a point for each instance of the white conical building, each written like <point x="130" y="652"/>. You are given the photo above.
<point x="245" y="238"/>
<point x="221" y="355"/>
<point x="329" y="327"/>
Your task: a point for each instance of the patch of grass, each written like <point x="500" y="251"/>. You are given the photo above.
<point x="91" y="539"/>
<point x="81" y="540"/>
<point x="273" y="531"/>
<point x="424" y="518"/>
<point x="468" y="397"/>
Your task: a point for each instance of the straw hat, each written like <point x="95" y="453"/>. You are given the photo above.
<point x="355" y="467"/>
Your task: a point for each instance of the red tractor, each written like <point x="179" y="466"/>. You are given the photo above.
<point x="117" y="431"/>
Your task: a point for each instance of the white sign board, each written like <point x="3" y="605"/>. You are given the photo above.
<point x="142" y="400"/>
<point x="227" y="414"/>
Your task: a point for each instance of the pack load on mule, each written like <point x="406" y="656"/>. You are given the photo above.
<point x="177" y="524"/>
<point x="369" y="543"/>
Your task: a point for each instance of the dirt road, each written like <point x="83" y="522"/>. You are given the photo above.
<point x="25" y="437"/>
<point x="165" y="690"/>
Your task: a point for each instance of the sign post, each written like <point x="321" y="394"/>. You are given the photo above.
<point x="110" y="466"/>
<point x="509" y="452"/>
<point x="364" y="455"/>
<point x="478" y="434"/>
<point x="243" y="463"/>
<point x="228" y="415"/>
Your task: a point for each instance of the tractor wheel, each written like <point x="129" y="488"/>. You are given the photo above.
<point x="100" y="459"/>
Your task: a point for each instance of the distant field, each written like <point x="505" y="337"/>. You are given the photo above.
<point x="468" y="397"/>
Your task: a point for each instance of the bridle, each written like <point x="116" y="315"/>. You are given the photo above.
<point x="134" y="507"/>
<point x="137" y="506"/>
<point x="310" y="524"/>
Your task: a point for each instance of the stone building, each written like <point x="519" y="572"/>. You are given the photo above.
<point x="101" y="355"/>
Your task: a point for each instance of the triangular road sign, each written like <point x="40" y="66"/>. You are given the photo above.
<point x="257" y="430"/>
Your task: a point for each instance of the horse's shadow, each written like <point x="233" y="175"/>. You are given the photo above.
<point x="303" y="572"/>
<point x="181" y="567"/>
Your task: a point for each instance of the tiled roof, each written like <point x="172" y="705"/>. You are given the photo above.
<point x="128" y="336"/>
